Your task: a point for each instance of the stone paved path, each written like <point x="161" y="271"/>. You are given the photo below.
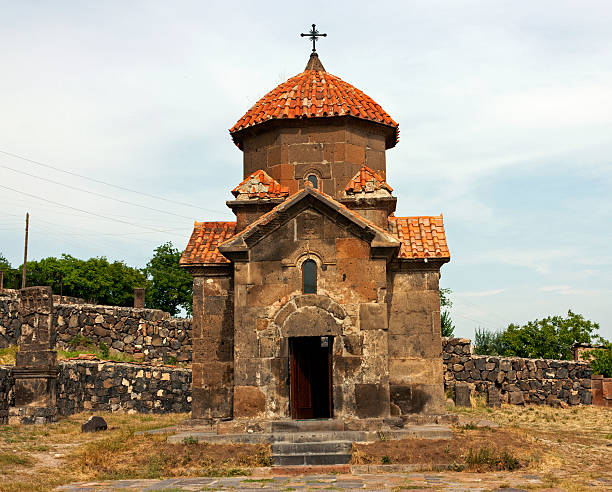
<point x="447" y="481"/>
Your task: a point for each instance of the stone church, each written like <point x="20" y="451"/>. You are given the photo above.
<point x="317" y="301"/>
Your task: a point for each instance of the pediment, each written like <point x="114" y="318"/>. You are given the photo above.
<point x="310" y="205"/>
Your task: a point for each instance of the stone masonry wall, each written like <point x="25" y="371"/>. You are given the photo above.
<point x="6" y="384"/>
<point x="110" y="386"/>
<point x="517" y="380"/>
<point x="149" y="334"/>
<point x="10" y="322"/>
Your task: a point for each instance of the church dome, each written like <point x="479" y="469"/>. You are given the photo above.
<point x="315" y="93"/>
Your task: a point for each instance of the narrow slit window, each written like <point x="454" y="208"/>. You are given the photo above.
<point x="313" y="180"/>
<point x="309" y="276"/>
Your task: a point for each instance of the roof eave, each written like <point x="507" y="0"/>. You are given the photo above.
<point x="238" y="136"/>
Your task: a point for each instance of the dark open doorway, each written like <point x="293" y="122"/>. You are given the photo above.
<point x="311" y="381"/>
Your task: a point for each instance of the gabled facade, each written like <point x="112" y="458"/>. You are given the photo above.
<point x="317" y="302"/>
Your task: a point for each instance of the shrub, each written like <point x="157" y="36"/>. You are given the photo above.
<point x="601" y="361"/>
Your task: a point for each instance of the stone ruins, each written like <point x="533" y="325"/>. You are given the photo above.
<point x="35" y="372"/>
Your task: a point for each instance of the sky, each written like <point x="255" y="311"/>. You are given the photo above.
<point x="505" y="113"/>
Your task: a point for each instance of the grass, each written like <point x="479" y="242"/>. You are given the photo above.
<point x="8" y="459"/>
<point x="491" y="459"/>
<point x="568" y="447"/>
<point x="28" y="460"/>
<point x="7" y="355"/>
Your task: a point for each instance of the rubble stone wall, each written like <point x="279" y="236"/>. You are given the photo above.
<point x="518" y="380"/>
<point x="149" y="334"/>
<point x="111" y="386"/>
<point x="6" y="384"/>
<point x="10" y="322"/>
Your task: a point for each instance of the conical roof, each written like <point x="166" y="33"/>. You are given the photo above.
<point x="315" y="93"/>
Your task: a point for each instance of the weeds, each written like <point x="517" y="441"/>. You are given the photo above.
<point x="8" y="459"/>
<point x="489" y="458"/>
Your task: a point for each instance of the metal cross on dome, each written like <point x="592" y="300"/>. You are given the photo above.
<point x="313" y="34"/>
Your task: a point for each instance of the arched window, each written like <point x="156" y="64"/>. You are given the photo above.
<point x="313" y="180"/>
<point x="309" y="277"/>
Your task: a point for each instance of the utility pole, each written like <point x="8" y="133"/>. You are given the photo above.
<point x="25" y="252"/>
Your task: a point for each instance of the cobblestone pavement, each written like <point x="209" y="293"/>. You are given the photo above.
<point x="447" y="481"/>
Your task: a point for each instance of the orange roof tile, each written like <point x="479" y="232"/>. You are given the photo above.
<point x="367" y="181"/>
<point x="314" y="94"/>
<point x="270" y="215"/>
<point x="421" y="237"/>
<point x="260" y="185"/>
<point x="204" y="241"/>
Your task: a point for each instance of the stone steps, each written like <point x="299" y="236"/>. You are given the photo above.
<point x="307" y="425"/>
<point x="311" y="453"/>
<point x="420" y="432"/>
<point x="311" y="442"/>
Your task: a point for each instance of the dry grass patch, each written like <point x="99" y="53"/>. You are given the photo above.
<point x="572" y="440"/>
<point x="473" y="450"/>
<point x="150" y="456"/>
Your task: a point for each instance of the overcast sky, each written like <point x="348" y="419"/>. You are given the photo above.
<point x="505" y="112"/>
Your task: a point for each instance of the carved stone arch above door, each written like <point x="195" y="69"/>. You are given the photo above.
<point x="322" y="313"/>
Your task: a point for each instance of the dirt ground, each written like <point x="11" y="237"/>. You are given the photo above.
<point x="568" y="447"/>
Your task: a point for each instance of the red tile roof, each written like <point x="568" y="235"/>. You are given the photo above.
<point x="367" y="181"/>
<point x="260" y="185"/>
<point x="314" y="94"/>
<point x="421" y="237"/>
<point x="270" y="216"/>
<point x="204" y="241"/>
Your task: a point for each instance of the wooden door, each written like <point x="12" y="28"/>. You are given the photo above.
<point x="310" y="371"/>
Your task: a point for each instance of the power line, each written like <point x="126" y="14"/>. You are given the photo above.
<point x="96" y="193"/>
<point x="80" y="209"/>
<point x="91" y="233"/>
<point x="38" y="163"/>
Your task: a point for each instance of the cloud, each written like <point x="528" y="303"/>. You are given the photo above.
<point x="482" y="293"/>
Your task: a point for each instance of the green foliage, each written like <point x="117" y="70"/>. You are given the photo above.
<point x="170" y="287"/>
<point x="12" y="276"/>
<point x="548" y="338"/>
<point x="488" y="342"/>
<point x="104" y="350"/>
<point x="448" y="328"/>
<point x="489" y="458"/>
<point x="96" y="279"/>
<point x="601" y="361"/>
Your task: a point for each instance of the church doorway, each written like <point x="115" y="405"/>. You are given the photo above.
<point x="311" y="377"/>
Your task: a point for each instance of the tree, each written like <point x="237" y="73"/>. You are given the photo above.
<point x="12" y="277"/>
<point x="95" y="280"/>
<point x="548" y="338"/>
<point x="601" y="361"/>
<point x="448" y="328"/>
<point x="170" y="286"/>
<point x="488" y="342"/>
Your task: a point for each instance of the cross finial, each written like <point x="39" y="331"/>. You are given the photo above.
<point x="313" y="34"/>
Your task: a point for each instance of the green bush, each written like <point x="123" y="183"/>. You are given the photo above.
<point x="601" y="361"/>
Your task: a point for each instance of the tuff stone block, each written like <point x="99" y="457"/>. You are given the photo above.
<point x="373" y="316"/>
<point x="249" y="401"/>
<point x="371" y="400"/>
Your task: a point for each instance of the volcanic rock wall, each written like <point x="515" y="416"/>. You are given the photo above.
<point x="516" y="379"/>
<point x="110" y="386"/>
<point x="6" y="384"/>
<point x="149" y="334"/>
